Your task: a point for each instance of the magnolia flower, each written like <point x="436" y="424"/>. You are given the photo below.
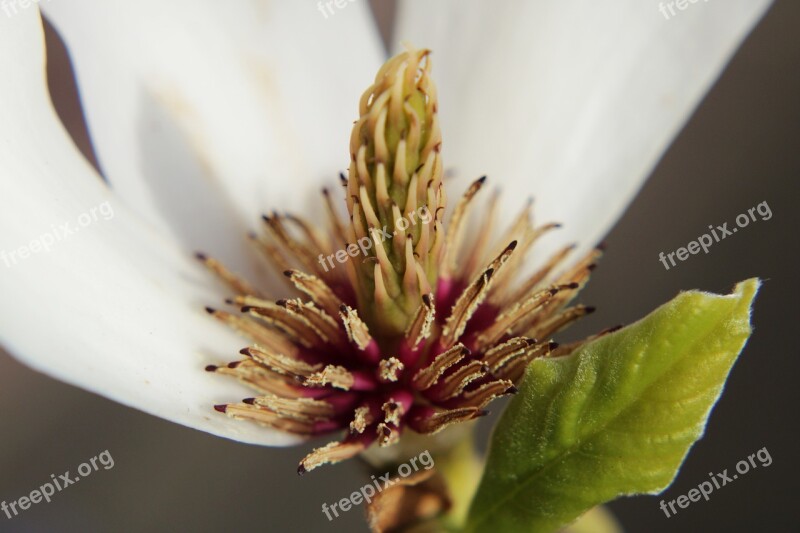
<point x="204" y="117"/>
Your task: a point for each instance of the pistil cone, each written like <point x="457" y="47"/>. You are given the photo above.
<point x="395" y="196"/>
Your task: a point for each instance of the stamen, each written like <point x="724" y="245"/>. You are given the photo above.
<point x="539" y="276"/>
<point x="389" y="369"/>
<point x="334" y="375"/>
<point x="501" y="354"/>
<point x="260" y="378"/>
<point x="567" y="349"/>
<point x="507" y="320"/>
<point x="454" y="384"/>
<point x="427" y="376"/>
<point x="527" y="236"/>
<point x="471" y="298"/>
<point x="393" y="412"/>
<point x="238" y="284"/>
<point x="553" y="325"/>
<point x="357" y="330"/>
<point x="421" y="325"/>
<point x="280" y="363"/>
<point x="333" y="219"/>
<point x="331" y="453"/>
<point x="256" y="332"/>
<point x="513" y="369"/>
<point x="433" y="422"/>
<point x="387" y="434"/>
<point x="317" y="290"/>
<point x="298" y="249"/>
<point x="271" y="253"/>
<point x="301" y="409"/>
<point x="294" y="325"/>
<point x="361" y="419"/>
<point x="481" y="242"/>
<point x="455" y="229"/>
<point x="324" y="324"/>
<point x="487" y="392"/>
<point x="265" y="417"/>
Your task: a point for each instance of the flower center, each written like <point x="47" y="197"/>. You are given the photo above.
<point x="398" y="324"/>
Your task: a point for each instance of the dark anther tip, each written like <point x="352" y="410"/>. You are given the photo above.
<point x="426" y="299"/>
<point x="282" y="302"/>
<point x="481" y="180"/>
<point x="201" y="256"/>
<point x="210" y="310"/>
<point x="221" y="408"/>
<point x="245" y="351"/>
<point x="211" y="368"/>
<point x="301" y="470"/>
<point x="482" y="412"/>
<point x="591" y="267"/>
<point x="557" y="225"/>
<point x="590" y="309"/>
<point x="573" y="285"/>
<point x="228" y="301"/>
<point x="233" y="364"/>
<point x="265" y="217"/>
<point x="249" y="401"/>
<point x="512" y="390"/>
<point x="553" y="291"/>
<point x="246" y="308"/>
<point x="288" y="273"/>
<point x="512" y="246"/>
<point x="343" y="308"/>
<point x="553" y="345"/>
<point x="602" y="246"/>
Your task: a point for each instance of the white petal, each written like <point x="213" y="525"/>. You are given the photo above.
<point x="573" y="101"/>
<point x="206" y="115"/>
<point x="113" y="307"/>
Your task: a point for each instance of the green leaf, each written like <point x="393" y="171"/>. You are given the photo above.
<point x="616" y="417"/>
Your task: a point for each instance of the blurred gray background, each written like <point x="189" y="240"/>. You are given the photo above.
<point x="741" y="148"/>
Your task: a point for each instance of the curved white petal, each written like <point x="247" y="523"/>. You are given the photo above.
<point x="206" y="114"/>
<point x="572" y="101"/>
<point x="91" y="294"/>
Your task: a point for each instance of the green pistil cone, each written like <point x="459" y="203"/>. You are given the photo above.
<point x="394" y="192"/>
